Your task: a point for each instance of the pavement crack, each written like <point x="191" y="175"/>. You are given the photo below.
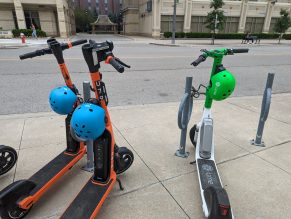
<point x="20" y="143"/>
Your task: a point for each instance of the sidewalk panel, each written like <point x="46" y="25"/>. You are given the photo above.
<point x="43" y="130"/>
<point x="151" y="202"/>
<point x="256" y="189"/>
<point x="11" y="131"/>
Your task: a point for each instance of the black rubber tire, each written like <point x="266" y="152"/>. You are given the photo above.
<point x="192" y="135"/>
<point x="8" y="158"/>
<point x="126" y="159"/>
<point x="212" y="205"/>
<point x="17" y="213"/>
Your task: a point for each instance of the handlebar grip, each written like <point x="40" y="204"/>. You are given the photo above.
<point x="79" y="42"/>
<point x="199" y="60"/>
<point x="35" y="53"/>
<point x="27" y="55"/>
<point x="244" y="50"/>
<point x="116" y="65"/>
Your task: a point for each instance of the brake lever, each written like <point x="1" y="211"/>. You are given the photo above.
<point x="121" y="62"/>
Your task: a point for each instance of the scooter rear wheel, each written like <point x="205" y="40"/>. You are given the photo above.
<point x="123" y="159"/>
<point x="8" y="158"/>
<point x="217" y="203"/>
<point x="192" y="135"/>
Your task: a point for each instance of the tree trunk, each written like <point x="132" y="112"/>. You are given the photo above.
<point x="280" y="37"/>
<point x="213" y="37"/>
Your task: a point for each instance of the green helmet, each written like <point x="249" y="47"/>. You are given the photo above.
<point x="222" y="85"/>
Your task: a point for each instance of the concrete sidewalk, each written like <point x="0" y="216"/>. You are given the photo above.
<point x="217" y="42"/>
<point x="159" y="184"/>
<point x="16" y="42"/>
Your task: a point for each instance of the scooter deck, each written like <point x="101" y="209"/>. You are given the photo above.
<point x="208" y="174"/>
<point x="52" y="169"/>
<point x="89" y="201"/>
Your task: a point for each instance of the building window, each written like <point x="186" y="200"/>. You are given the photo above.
<point x="167" y="21"/>
<point x="254" y="24"/>
<point x="230" y="25"/>
<point x="198" y="24"/>
<point x="32" y="17"/>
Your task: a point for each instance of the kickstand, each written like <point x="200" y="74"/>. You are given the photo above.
<point x="119" y="183"/>
<point x="193" y="162"/>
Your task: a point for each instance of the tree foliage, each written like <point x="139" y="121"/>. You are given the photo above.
<point x="117" y="19"/>
<point x="283" y="23"/>
<point x="83" y="19"/>
<point x="210" y="19"/>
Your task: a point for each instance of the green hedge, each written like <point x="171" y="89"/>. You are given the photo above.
<point x="226" y="35"/>
<point x="287" y="36"/>
<point x="28" y="32"/>
<point x="178" y="34"/>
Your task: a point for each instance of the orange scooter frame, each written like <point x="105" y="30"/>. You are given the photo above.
<point x="88" y="202"/>
<point x="17" y="199"/>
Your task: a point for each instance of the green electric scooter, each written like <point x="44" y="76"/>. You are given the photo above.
<point x="215" y="202"/>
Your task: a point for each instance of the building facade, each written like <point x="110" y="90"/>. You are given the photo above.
<point x="55" y="17"/>
<point x="154" y="17"/>
<point x="101" y="7"/>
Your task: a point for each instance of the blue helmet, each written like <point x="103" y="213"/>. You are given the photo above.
<point x="62" y="100"/>
<point x="88" y="121"/>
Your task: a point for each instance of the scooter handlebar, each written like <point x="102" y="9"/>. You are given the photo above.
<point x="200" y="59"/>
<point x="78" y="42"/>
<point x="35" y="53"/>
<point x="49" y="51"/>
<point x="116" y="65"/>
<point x="243" y="50"/>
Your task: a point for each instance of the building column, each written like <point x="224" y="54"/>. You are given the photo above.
<point x="156" y="16"/>
<point x="268" y="16"/>
<point x="19" y="14"/>
<point x="61" y="19"/>
<point x="243" y="16"/>
<point x="187" y="16"/>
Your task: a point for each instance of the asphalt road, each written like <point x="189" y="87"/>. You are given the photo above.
<point x="157" y="73"/>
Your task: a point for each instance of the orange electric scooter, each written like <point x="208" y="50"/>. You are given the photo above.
<point x="88" y="202"/>
<point x="18" y="198"/>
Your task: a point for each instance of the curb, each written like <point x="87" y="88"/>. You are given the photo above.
<point x="161" y="44"/>
<point x="12" y="46"/>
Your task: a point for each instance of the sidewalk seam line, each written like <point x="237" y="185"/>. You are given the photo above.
<point x="272" y="164"/>
<point x="153" y="174"/>
<point x="248" y="109"/>
<point x="20" y="143"/>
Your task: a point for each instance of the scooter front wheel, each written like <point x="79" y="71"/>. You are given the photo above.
<point x="192" y="134"/>
<point x="8" y="158"/>
<point x="123" y="159"/>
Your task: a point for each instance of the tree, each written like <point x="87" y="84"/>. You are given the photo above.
<point x="83" y="19"/>
<point x="283" y="23"/>
<point x="215" y="19"/>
